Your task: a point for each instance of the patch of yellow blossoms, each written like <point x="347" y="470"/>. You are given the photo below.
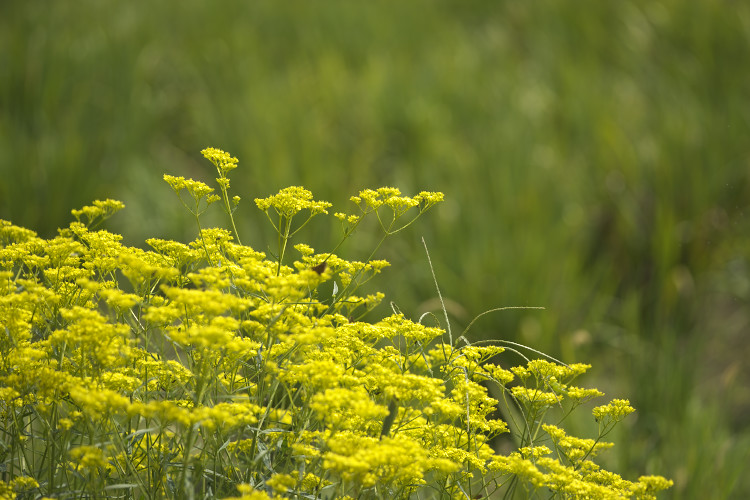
<point x="209" y="368"/>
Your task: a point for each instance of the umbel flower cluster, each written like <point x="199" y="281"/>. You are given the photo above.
<point x="211" y="370"/>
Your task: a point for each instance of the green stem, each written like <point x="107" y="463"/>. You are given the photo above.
<point x="228" y="210"/>
<point x="203" y="240"/>
<point x="283" y="240"/>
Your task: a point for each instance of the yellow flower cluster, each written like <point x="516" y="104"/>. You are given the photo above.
<point x="223" y="161"/>
<point x="209" y="367"/>
<point x="371" y="201"/>
<point x="17" y="487"/>
<point x="292" y="200"/>
<point x="197" y="189"/>
<point x="99" y="211"/>
<point x="613" y="412"/>
<point x="584" y="479"/>
<point x="391" y="197"/>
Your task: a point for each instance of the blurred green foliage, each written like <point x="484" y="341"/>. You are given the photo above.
<point x="594" y="155"/>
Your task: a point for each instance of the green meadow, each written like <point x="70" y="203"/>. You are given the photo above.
<point x="594" y="156"/>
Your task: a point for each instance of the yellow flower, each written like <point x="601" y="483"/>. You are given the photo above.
<point x="280" y="483"/>
<point x="65" y="423"/>
<point x="347" y="408"/>
<point x="582" y="395"/>
<point x="99" y="404"/>
<point x="368" y="460"/>
<point x="14" y="234"/>
<point x="535" y="398"/>
<point x="198" y="190"/>
<point x="119" y="300"/>
<point x="613" y="412"/>
<point x="222" y="160"/>
<point x="87" y="457"/>
<point x="430" y="197"/>
<point x="23" y="484"/>
<point x="575" y="449"/>
<point x="100" y="209"/>
<point x="248" y="493"/>
<point x="292" y="200"/>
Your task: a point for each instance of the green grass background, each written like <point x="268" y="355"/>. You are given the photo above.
<point x="595" y="157"/>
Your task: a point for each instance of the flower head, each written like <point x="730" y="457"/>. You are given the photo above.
<point x="289" y="201"/>
<point x="224" y="161"/>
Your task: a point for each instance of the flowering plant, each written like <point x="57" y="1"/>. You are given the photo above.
<point x="211" y="370"/>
